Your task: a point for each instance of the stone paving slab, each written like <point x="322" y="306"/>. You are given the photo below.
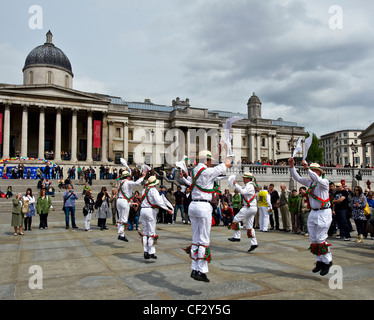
<point x="95" y="265"/>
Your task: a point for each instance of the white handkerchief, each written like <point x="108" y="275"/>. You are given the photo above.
<point x="226" y="130"/>
<point x="146" y="168"/>
<point x="298" y="148"/>
<point x="232" y="179"/>
<point x="308" y="143"/>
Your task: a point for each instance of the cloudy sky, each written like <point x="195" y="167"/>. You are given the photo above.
<point x="307" y="61"/>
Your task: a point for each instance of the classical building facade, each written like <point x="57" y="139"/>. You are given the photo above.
<point x="347" y="147"/>
<point x="47" y="115"/>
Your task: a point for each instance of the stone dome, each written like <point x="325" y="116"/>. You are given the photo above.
<point x="48" y="55"/>
<point x="254" y="99"/>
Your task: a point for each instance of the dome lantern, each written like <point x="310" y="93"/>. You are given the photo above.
<point x="47" y="64"/>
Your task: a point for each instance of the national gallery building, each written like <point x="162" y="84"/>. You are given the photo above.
<point x="46" y="118"/>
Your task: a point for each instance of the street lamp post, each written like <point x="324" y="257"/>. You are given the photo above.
<point x="354" y="151"/>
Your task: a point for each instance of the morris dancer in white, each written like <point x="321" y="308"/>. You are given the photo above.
<point x="320" y="216"/>
<point x="247" y="212"/>
<point x="123" y="202"/>
<point x="151" y="200"/>
<point x="200" y="211"/>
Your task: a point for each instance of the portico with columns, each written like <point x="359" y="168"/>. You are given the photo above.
<point x="46" y="114"/>
<point x="53" y="119"/>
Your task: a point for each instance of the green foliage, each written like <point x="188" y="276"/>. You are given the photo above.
<point x="315" y="153"/>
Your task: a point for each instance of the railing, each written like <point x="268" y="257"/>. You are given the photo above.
<point x="282" y="171"/>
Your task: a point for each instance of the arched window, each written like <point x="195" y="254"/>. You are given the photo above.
<point x="49" y="77"/>
<point x="31" y="77"/>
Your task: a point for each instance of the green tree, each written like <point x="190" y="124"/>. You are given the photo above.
<point x="315" y="153"/>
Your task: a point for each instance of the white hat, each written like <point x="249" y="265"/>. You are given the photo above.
<point x="248" y="175"/>
<point x="152" y="180"/>
<point x="206" y="154"/>
<point x="316" y="166"/>
<point x="125" y="174"/>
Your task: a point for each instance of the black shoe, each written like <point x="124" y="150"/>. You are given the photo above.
<point x="152" y="256"/>
<point x="193" y="274"/>
<point x="146" y="255"/>
<point x="252" y="248"/>
<point x="325" y="268"/>
<point x="123" y="238"/>
<point x="67" y="227"/>
<point x="199" y="276"/>
<point x="233" y="239"/>
<point x="75" y="227"/>
<point x="318" y="267"/>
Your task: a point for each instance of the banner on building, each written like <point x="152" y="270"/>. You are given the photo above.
<point x="97" y="134"/>
<point x="1" y="128"/>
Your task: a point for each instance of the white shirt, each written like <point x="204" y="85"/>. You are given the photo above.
<point x="248" y="191"/>
<point x="126" y="187"/>
<point x="154" y="198"/>
<point x="321" y="190"/>
<point x="30" y="198"/>
<point x="205" y="180"/>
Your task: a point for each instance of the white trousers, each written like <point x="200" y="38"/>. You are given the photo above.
<point x="123" y="208"/>
<point x="87" y="221"/>
<point x="318" y="225"/>
<point x="248" y="215"/>
<point x="200" y="214"/>
<point x="264" y="218"/>
<point x="148" y="217"/>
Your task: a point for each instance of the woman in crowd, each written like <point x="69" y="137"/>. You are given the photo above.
<point x="43" y="205"/>
<point x="358" y="203"/>
<point x="171" y="198"/>
<point x="236" y="202"/>
<point x="113" y="206"/>
<point x="17" y="215"/>
<point x="135" y="211"/>
<point x="31" y="199"/>
<point x="103" y="211"/>
<point x="369" y="226"/>
<point x="227" y="214"/>
<point x="89" y="203"/>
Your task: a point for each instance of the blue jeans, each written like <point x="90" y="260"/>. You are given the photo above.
<point x="132" y="222"/>
<point x="181" y="207"/>
<point x="72" y="211"/>
<point x="341" y="219"/>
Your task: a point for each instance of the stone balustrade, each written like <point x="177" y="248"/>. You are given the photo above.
<point x="281" y="174"/>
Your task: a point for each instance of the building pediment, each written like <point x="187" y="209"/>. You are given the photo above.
<point x="368" y="134"/>
<point x="45" y="94"/>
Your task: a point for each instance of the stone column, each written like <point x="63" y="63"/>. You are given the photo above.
<point x="188" y="144"/>
<point x="258" y="143"/>
<point x="74" y="136"/>
<point x="274" y="147"/>
<point x="251" y="148"/>
<point x="41" y="132"/>
<point x="89" y="137"/>
<point x="270" y="140"/>
<point x="24" y="138"/>
<point x="6" y="133"/>
<point x="363" y="154"/>
<point x="110" y="138"/>
<point x="104" y="139"/>
<point x="126" y="141"/>
<point x="57" y="151"/>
